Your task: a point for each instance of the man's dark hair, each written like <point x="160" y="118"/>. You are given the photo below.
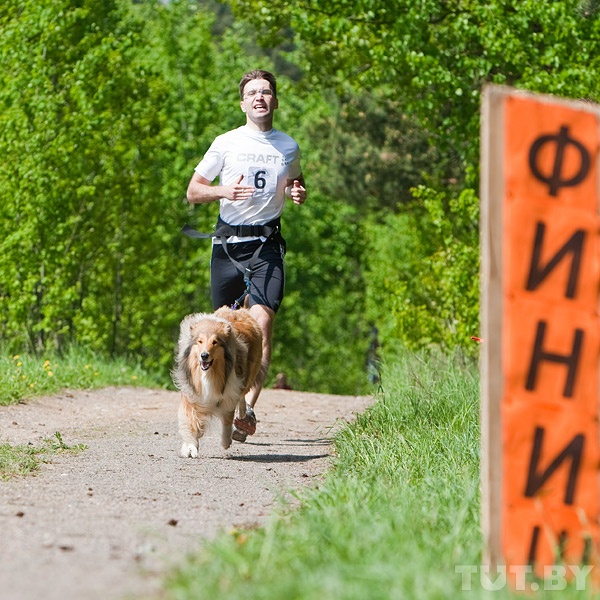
<point x="258" y="74"/>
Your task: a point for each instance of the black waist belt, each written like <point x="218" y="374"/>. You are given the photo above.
<point x="270" y="230"/>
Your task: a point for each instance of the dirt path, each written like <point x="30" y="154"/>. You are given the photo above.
<point x="106" y="524"/>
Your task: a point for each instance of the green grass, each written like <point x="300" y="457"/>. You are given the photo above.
<point x="397" y="513"/>
<point x="26" y="376"/>
<point x="18" y="461"/>
<point x="395" y="518"/>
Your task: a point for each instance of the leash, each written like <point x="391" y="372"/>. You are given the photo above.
<point x="225" y="230"/>
<point x="248" y="281"/>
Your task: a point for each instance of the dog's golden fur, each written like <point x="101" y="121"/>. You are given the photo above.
<point x="218" y="359"/>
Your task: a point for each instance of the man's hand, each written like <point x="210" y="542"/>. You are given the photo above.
<point x="235" y="191"/>
<point x="297" y="192"/>
<point x="201" y="191"/>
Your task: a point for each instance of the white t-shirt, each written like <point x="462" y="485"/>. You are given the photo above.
<point x="266" y="159"/>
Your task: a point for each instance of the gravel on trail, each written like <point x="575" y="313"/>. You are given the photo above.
<point x="109" y="522"/>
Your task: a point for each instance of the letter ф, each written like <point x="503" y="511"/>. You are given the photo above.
<point x="555" y="181"/>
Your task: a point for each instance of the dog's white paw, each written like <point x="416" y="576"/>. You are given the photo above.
<point x="226" y="440"/>
<point x="188" y="451"/>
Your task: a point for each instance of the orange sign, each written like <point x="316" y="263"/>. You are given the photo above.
<point x="548" y="357"/>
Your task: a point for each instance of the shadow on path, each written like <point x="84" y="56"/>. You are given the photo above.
<point x="277" y="458"/>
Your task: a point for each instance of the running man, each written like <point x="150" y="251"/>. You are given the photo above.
<point x="258" y="168"/>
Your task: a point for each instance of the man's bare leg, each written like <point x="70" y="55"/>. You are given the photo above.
<point x="243" y="427"/>
<point x="264" y="317"/>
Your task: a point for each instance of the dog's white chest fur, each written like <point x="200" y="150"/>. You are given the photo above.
<point x="214" y="396"/>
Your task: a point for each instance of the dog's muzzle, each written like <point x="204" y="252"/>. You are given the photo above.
<point x="205" y="364"/>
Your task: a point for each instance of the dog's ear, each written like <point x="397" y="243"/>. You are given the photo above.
<point x="184" y="361"/>
<point x="182" y="373"/>
<point x="193" y="331"/>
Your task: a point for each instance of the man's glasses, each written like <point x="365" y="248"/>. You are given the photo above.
<point x="252" y="93"/>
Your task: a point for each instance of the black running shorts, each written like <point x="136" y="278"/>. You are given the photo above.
<point x="267" y="281"/>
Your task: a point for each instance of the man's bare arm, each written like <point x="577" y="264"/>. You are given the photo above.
<point x="200" y="190"/>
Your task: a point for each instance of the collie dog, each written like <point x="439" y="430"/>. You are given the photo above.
<point x="219" y="356"/>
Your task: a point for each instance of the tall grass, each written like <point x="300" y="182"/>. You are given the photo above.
<point x="397" y="518"/>
<point x="25" y="376"/>
<point x="394" y="517"/>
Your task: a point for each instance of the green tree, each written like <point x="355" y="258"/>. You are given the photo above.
<point x="321" y="331"/>
<point x="105" y="109"/>
<point x="425" y="64"/>
<point x="421" y="269"/>
<point x="87" y="245"/>
<point x="435" y="55"/>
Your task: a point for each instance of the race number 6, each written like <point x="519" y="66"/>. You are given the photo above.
<point x="264" y="180"/>
<point x="259" y="180"/>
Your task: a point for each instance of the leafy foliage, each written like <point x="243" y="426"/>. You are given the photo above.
<point x="322" y="318"/>
<point x="426" y="64"/>
<point x="105" y="109"/>
<point x="434" y="56"/>
<point x="84" y="227"/>
<point x="376" y="150"/>
<point x="422" y="272"/>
